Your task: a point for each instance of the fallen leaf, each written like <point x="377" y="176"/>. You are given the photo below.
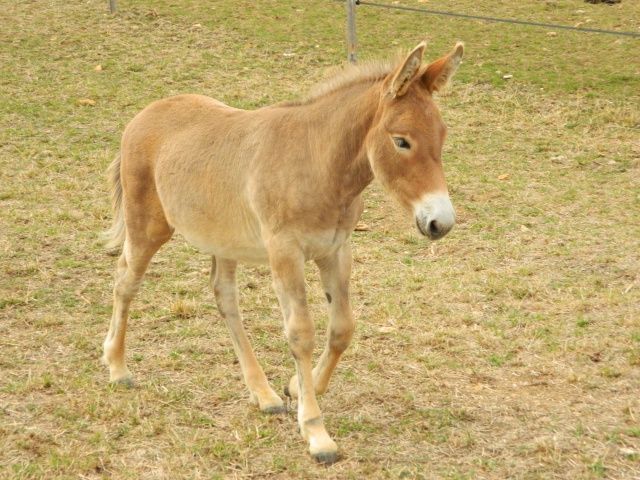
<point x="362" y="227"/>
<point x="98" y="68"/>
<point x="524" y="228"/>
<point x="86" y="101"/>
<point x="552" y="34"/>
<point x="629" y="451"/>
<point x="387" y="329"/>
<point x="504" y="176"/>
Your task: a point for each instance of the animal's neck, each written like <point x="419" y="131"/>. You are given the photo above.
<point x="341" y="121"/>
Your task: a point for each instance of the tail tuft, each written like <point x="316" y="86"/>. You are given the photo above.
<point x="115" y="235"/>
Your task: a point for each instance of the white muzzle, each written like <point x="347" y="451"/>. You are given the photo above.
<point x="435" y="216"/>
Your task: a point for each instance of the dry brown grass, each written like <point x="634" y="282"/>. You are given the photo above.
<point x="510" y="349"/>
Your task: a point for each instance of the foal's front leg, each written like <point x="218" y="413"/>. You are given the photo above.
<point x="287" y="267"/>
<point x="335" y="273"/>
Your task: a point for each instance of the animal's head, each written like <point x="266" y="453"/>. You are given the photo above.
<point x="405" y="144"/>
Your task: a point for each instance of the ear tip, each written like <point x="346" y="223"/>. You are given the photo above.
<point x="421" y="46"/>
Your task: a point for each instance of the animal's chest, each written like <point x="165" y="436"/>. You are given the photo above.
<point x="323" y="243"/>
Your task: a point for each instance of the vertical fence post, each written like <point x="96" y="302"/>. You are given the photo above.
<point x="351" y="31"/>
<point x="112" y="6"/>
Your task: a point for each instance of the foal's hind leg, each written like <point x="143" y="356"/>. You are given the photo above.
<point x="335" y="273"/>
<point x="223" y="284"/>
<point x="139" y="246"/>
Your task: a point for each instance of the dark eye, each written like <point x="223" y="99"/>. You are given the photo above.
<point x="401" y="143"/>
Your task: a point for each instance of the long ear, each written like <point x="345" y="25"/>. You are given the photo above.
<point x="407" y="72"/>
<point x="439" y="72"/>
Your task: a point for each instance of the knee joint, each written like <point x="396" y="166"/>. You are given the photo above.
<point x="126" y="290"/>
<point x="340" y="338"/>
<point x="301" y="342"/>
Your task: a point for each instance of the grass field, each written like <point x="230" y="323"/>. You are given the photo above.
<point x="510" y="349"/>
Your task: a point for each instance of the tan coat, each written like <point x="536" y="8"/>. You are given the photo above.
<point x="279" y="185"/>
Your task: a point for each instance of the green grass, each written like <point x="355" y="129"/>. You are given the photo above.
<point x="510" y="349"/>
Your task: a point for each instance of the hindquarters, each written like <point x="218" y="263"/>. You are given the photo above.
<point x="138" y="222"/>
<point x="137" y="212"/>
<point x="143" y="234"/>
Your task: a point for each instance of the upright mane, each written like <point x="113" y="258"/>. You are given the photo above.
<point x="338" y="78"/>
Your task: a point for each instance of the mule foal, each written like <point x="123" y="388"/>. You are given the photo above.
<point x="280" y="185"/>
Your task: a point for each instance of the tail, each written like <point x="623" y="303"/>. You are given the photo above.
<point x="115" y="235"/>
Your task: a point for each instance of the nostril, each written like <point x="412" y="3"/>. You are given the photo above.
<point x="434" y="228"/>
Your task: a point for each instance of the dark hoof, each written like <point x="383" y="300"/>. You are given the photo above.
<point x="326" y="458"/>
<point x="124" y="382"/>
<point x="275" y="410"/>
<point x="287" y="393"/>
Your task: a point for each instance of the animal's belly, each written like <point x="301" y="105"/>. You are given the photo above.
<point x="239" y="248"/>
<point x="248" y="249"/>
<point x="226" y="231"/>
<point x="227" y="227"/>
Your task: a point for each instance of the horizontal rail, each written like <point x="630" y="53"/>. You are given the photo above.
<point x="492" y="19"/>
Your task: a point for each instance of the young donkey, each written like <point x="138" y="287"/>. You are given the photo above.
<point x="279" y="185"/>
